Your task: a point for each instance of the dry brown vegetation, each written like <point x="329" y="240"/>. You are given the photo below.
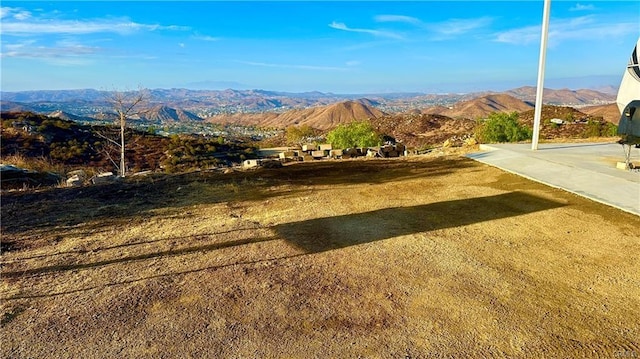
<point x="425" y="256"/>
<point x="481" y="107"/>
<point x="41" y="143"/>
<point x="609" y="112"/>
<point x="420" y="130"/>
<point x="577" y="124"/>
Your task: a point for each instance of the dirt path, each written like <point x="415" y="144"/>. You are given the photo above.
<point x="417" y="257"/>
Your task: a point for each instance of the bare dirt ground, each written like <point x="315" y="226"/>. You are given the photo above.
<point x="426" y="256"/>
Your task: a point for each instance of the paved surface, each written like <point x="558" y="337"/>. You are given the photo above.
<point x="586" y="169"/>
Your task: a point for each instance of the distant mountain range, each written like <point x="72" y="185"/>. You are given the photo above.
<point x="330" y="116"/>
<point x="281" y="109"/>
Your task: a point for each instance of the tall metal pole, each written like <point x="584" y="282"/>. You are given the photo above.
<point x="540" y="86"/>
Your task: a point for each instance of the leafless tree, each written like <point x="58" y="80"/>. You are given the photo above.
<point x="126" y="104"/>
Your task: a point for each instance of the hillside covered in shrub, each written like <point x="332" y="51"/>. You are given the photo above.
<point x="59" y="145"/>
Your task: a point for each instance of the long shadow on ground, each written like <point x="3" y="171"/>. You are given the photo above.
<point x="323" y="234"/>
<point x="331" y="233"/>
<point x="135" y="198"/>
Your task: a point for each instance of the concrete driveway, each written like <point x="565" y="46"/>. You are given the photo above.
<point x="586" y="169"/>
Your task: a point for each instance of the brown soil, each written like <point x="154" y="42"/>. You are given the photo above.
<point x="426" y="256"/>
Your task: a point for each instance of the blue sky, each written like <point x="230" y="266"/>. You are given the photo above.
<point x="340" y="47"/>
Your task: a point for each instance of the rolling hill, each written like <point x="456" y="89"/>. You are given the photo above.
<point x="11" y="106"/>
<point x="70" y="117"/>
<point x="481" y="107"/>
<point x="208" y="103"/>
<point x="609" y="112"/>
<point x="321" y="117"/>
<point x="562" y="96"/>
<point x="163" y="113"/>
<point x="423" y="127"/>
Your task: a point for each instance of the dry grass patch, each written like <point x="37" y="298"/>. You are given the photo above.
<point x="415" y="257"/>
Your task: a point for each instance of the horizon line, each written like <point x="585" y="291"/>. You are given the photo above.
<point x="594" y="88"/>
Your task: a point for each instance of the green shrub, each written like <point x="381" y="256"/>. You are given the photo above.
<point x="354" y="134"/>
<point x="299" y="135"/>
<point x="610" y="130"/>
<point x="595" y="128"/>
<point x="501" y="127"/>
<point x="569" y="117"/>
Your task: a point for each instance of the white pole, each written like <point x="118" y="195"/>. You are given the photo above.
<point x="540" y="86"/>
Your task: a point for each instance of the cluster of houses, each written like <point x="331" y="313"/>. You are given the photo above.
<point x="325" y="151"/>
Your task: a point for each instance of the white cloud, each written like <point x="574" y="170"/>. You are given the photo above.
<point x="522" y="36"/>
<point x="591" y="31"/>
<point x="62" y="49"/>
<point x="15" y="13"/>
<point x="377" y="33"/>
<point x="19" y="22"/>
<point x="63" y="53"/>
<point x="582" y="28"/>
<point x="398" y="18"/>
<point x="122" y="26"/>
<point x="437" y="31"/>
<point x="22" y="15"/>
<point x="353" y="63"/>
<point x="66" y="46"/>
<point x="460" y="26"/>
<point x="582" y="7"/>
<point x="205" y="37"/>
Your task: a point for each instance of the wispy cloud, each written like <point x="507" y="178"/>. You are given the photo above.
<point x="454" y="27"/>
<point x="29" y="49"/>
<point x="121" y="26"/>
<point x="20" y="22"/>
<point x="582" y="7"/>
<point x="63" y="53"/>
<point x="374" y="32"/>
<point x="398" y="18"/>
<point x="436" y="31"/>
<point x="208" y="38"/>
<point x="523" y="35"/>
<point x="584" y="28"/>
<point x="290" y="66"/>
<point x="49" y="38"/>
<point x="449" y="28"/>
<point x="15" y="13"/>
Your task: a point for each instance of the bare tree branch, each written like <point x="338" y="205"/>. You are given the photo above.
<point x="107" y="138"/>
<point x="125" y="104"/>
<point x="104" y="150"/>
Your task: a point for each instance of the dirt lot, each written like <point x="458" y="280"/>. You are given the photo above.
<point x="427" y="256"/>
